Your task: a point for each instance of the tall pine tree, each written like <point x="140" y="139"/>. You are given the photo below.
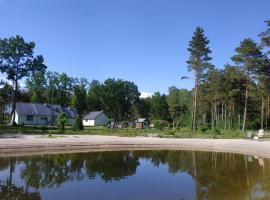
<point x="248" y="57"/>
<point x="199" y="62"/>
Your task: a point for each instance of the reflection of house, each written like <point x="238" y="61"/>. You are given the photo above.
<point x="96" y="118"/>
<point x="41" y="114"/>
<point x="142" y="123"/>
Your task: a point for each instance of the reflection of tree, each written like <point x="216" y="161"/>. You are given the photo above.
<point x="10" y="191"/>
<point x="111" y="165"/>
<point x="54" y="170"/>
<point x="215" y="175"/>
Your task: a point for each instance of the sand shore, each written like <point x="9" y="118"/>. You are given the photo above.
<point x="39" y="144"/>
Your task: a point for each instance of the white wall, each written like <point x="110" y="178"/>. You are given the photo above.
<point x="88" y="122"/>
<point x="37" y="120"/>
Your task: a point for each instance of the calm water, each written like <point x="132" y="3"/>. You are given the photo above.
<point x="136" y="175"/>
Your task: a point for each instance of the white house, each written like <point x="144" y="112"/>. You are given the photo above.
<point x="96" y="118"/>
<point x="41" y="114"/>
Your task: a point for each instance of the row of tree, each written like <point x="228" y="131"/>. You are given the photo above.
<point x="236" y="96"/>
<point x="233" y="94"/>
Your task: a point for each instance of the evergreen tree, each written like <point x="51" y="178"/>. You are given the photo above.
<point x="199" y="62"/>
<point x="248" y="57"/>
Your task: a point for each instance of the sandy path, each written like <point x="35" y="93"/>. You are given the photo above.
<point x="37" y="144"/>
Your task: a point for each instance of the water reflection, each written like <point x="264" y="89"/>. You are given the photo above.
<point x="213" y="175"/>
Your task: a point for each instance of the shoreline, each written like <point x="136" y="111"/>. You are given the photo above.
<point x="24" y="145"/>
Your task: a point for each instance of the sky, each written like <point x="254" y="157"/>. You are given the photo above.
<point x="144" y="41"/>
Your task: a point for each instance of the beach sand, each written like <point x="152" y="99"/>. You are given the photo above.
<point x="20" y="145"/>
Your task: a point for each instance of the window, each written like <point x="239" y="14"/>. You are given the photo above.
<point x="29" y="117"/>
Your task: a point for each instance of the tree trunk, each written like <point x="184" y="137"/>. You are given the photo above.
<point x="262" y="107"/>
<point x="230" y="116"/>
<point x="245" y="109"/>
<point x="173" y="122"/>
<point x="194" y="109"/>
<point x="212" y="116"/>
<point x="239" y="121"/>
<point x="14" y="100"/>
<point x="225" y="117"/>
<point x="267" y="114"/>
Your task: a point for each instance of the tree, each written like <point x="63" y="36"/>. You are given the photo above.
<point x="247" y="57"/>
<point x="118" y="97"/>
<point x="17" y="61"/>
<point x="173" y="100"/>
<point x="36" y="86"/>
<point x="141" y="108"/>
<point x="62" y="120"/>
<point x="79" y="102"/>
<point x="265" y="37"/>
<point x="95" y="96"/>
<point x="5" y="99"/>
<point x="199" y="62"/>
<point x="52" y="79"/>
<point x="65" y="89"/>
<point x="159" y="109"/>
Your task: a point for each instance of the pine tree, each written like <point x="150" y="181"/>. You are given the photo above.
<point x="248" y="59"/>
<point x="199" y="62"/>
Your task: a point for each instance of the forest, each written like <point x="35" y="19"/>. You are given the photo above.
<point x="231" y="97"/>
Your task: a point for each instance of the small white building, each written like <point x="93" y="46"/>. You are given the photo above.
<point x="96" y="118"/>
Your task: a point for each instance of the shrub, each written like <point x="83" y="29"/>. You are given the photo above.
<point x="204" y="129"/>
<point x="62" y="120"/>
<point x="78" y="125"/>
<point x="159" y="124"/>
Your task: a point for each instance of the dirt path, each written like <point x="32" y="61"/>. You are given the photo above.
<point x="38" y="144"/>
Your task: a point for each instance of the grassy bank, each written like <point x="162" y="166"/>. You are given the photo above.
<point x="125" y="132"/>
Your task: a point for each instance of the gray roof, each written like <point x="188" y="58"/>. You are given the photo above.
<point x="92" y="115"/>
<point x="140" y="120"/>
<point x="43" y="109"/>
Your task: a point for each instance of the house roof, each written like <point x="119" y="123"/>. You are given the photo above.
<point x="43" y="109"/>
<point x="141" y="120"/>
<point x="92" y="115"/>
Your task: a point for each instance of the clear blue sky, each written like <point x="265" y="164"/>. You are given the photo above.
<point x="144" y="41"/>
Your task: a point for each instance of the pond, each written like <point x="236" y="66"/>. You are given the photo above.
<point x="135" y="175"/>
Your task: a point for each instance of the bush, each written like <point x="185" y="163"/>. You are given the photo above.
<point x="159" y="124"/>
<point x="62" y="120"/>
<point x="216" y="131"/>
<point x="78" y="125"/>
<point x="44" y="128"/>
<point x="204" y="129"/>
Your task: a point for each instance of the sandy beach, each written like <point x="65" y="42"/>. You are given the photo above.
<point x="39" y="144"/>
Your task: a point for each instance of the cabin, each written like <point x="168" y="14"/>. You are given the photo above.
<point x="95" y="118"/>
<point x="142" y="123"/>
<point x="42" y="114"/>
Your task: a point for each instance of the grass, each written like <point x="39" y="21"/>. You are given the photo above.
<point x="50" y="131"/>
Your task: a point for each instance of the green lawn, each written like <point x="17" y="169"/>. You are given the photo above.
<point x="128" y="132"/>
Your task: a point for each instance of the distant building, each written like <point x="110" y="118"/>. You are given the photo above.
<point x="96" y="118"/>
<point x="142" y="123"/>
<point x="41" y="114"/>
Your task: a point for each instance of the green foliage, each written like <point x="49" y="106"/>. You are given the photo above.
<point x="62" y="120"/>
<point x="78" y="125"/>
<point x="159" y="124"/>
<point x="159" y="109"/>
<point x="36" y="86"/>
<point x="17" y="61"/>
<point x="79" y="99"/>
<point x="199" y="59"/>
